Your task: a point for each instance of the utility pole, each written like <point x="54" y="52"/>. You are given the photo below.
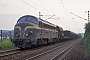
<point x="39" y="14"/>
<point x="1" y="35"/>
<point x="88" y="16"/>
<point x="10" y="36"/>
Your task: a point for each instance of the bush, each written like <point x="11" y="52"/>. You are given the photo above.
<point x="87" y="39"/>
<point x="6" y="44"/>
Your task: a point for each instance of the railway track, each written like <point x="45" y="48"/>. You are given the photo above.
<point x="49" y="55"/>
<point x="14" y="51"/>
<point x="35" y="57"/>
<point x="9" y="52"/>
<point x="61" y="55"/>
<point x="32" y="54"/>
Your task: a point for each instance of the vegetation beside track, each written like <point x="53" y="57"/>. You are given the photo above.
<point x="6" y="44"/>
<point x="87" y="37"/>
<point x="87" y="43"/>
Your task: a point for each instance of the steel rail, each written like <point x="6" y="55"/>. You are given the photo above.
<point x="37" y="56"/>
<point x="9" y="52"/>
<point x="64" y="51"/>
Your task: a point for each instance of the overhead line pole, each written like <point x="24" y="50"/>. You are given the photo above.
<point x="40" y="15"/>
<point x="1" y="35"/>
<point x="88" y="16"/>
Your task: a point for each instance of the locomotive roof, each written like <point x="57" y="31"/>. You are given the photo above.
<point x="61" y="28"/>
<point x="33" y="19"/>
<point x="46" y="22"/>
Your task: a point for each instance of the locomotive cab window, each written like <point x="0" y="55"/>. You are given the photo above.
<point x="22" y="19"/>
<point x="30" y="19"/>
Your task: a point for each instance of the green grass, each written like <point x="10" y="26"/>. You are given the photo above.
<point x="87" y="39"/>
<point x="6" y="44"/>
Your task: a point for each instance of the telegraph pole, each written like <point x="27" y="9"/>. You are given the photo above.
<point x="1" y="35"/>
<point x="10" y="36"/>
<point x="40" y="15"/>
<point x="88" y="16"/>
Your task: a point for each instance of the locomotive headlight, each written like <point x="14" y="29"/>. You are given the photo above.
<point x="27" y="34"/>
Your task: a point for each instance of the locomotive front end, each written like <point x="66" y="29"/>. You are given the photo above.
<point x="25" y="31"/>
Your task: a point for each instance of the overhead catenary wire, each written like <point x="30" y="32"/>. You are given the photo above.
<point x="63" y="6"/>
<point x="68" y="13"/>
<point x="43" y="9"/>
<point x="36" y="8"/>
<point x="79" y="16"/>
<point x="38" y="5"/>
<point x="46" y="10"/>
<point x="50" y="17"/>
<point x="31" y="6"/>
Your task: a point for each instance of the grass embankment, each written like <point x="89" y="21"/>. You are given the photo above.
<point x="6" y="44"/>
<point x="87" y="39"/>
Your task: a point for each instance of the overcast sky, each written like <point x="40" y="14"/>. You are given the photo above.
<point x="11" y="10"/>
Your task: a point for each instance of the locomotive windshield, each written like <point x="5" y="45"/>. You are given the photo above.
<point x="28" y="19"/>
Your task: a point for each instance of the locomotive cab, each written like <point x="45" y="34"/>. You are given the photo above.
<point x="25" y="27"/>
<point x="25" y="31"/>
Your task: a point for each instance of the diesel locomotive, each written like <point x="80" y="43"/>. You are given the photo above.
<point x="32" y="31"/>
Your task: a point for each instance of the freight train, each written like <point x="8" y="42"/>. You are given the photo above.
<point x="32" y="31"/>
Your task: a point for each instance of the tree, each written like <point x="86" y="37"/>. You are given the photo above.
<point x="87" y="29"/>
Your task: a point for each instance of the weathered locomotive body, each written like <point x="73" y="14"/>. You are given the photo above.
<point x="32" y="31"/>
